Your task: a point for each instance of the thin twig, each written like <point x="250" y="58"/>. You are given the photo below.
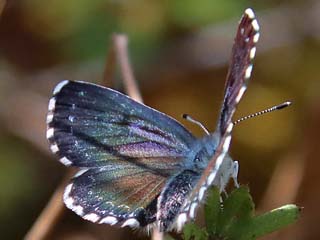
<point x="51" y="214"/>
<point x="110" y="66"/>
<point x="290" y="169"/>
<point x="156" y="235"/>
<point x="2" y="6"/>
<point x="130" y="84"/>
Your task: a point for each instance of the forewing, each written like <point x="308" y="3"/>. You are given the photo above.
<point x="121" y="194"/>
<point x="239" y="72"/>
<point x="240" y="68"/>
<point x="89" y="125"/>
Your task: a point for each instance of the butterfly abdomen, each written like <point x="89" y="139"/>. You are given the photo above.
<point x="173" y="197"/>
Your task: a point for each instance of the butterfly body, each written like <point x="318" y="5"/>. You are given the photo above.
<point x="200" y="155"/>
<point x="138" y="166"/>
<point x="180" y="185"/>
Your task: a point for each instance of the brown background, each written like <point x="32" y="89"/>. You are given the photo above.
<point x="179" y="50"/>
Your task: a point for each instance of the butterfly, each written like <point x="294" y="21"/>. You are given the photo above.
<point x="137" y="166"/>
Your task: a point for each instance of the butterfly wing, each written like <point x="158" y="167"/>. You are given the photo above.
<point x="116" y="194"/>
<point x="239" y="72"/>
<point x="89" y="125"/>
<point x="102" y="131"/>
<point x="243" y="53"/>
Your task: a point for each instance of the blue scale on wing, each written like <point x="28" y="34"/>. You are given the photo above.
<point x="93" y="124"/>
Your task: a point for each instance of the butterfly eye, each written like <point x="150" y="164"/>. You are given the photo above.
<point x="198" y="157"/>
<point x="201" y="155"/>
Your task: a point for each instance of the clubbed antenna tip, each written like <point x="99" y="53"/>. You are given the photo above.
<point x="277" y="107"/>
<point x="283" y="105"/>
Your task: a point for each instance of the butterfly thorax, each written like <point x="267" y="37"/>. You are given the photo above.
<point x="203" y="151"/>
<point x="200" y="153"/>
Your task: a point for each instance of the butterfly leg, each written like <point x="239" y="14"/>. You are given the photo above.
<point x="234" y="175"/>
<point x="225" y="195"/>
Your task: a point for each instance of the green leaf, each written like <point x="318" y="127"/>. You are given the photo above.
<point x="212" y="210"/>
<point x="192" y="231"/>
<point x="237" y="207"/>
<point x="234" y="219"/>
<point x="268" y="222"/>
<point x="168" y="237"/>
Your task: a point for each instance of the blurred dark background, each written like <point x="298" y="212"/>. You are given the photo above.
<point x="179" y="51"/>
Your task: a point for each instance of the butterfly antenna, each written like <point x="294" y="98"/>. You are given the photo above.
<point x="189" y="118"/>
<point x="277" y="107"/>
